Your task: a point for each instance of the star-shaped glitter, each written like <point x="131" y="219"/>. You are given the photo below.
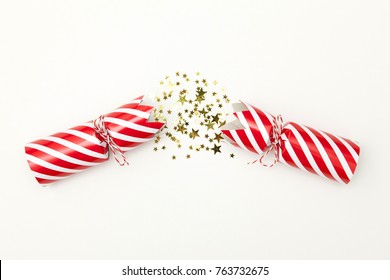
<point x="222" y="123"/>
<point x="182" y="99"/>
<point x="216" y="149"/>
<point x="200" y="96"/>
<point x="203" y="111"/>
<point x="194" y="133"/>
<point x="210" y="125"/>
<point x="218" y="137"/>
<point x="181" y="128"/>
<point x="216" y="118"/>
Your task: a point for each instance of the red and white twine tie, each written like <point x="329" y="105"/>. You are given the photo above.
<point x="275" y="139"/>
<point x="101" y="129"/>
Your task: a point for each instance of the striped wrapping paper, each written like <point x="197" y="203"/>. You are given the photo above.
<point x="71" y="151"/>
<point x="297" y="145"/>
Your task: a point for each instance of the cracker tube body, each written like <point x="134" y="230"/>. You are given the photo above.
<point x="297" y="145"/>
<point x="73" y="150"/>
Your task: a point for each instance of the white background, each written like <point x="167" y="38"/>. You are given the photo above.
<point x="321" y="63"/>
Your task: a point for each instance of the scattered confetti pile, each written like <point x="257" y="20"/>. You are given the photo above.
<point x="194" y="109"/>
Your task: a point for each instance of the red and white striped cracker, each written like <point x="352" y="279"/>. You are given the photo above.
<point x="71" y="151"/>
<point x="309" y="149"/>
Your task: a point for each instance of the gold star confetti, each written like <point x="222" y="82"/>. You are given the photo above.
<point x="218" y="137"/>
<point x="181" y="128"/>
<point x="222" y="123"/>
<point x="216" y="149"/>
<point x="182" y="99"/>
<point x="193" y="110"/>
<point x="194" y="133"/>
<point x="216" y="118"/>
<point x="210" y="125"/>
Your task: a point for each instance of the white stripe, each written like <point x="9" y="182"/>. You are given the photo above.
<point x="89" y="124"/>
<point x="128" y="138"/>
<point x="75" y="147"/>
<point x="134" y="112"/>
<point x="305" y="150"/>
<point x="59" y="155"/>
<point x="349" y="147"/>
<point x="293" y="156"/>
<point x="131" y="125"/>
<point x="281" y="158"/>
<point x="50" y="165"/>
<point x="125" y="149"/>
<point x="259" y="124"/>
<point x="47" y="177"/>
<point x="135" y="101"/>
<point x="270" y="118"/>
<point x="238" y="140"/>
<point x="339" y="154"/>
<point x="323" y="153"/>
<point x="248" y="133"/>
<point x="85" y="136"/>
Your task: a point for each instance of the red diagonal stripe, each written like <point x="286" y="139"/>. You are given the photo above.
<point x="40" y="169"/>
<point x="347" y="155"/>
<point x="67" y="151"/>
<point x="255" y="130"/>
<point x="298" y="150"/>
<point x="244" y="139"/>
<point x="81" y="142"/>
<point x="332" y="155"/>
<point x="313" y="150"/>
<point x="54" y="160"/>
<point x="45" y="181"/>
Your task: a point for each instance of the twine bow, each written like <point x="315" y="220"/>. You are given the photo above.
<point x="101" y="129"/>
<point x="275" y="144"/>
